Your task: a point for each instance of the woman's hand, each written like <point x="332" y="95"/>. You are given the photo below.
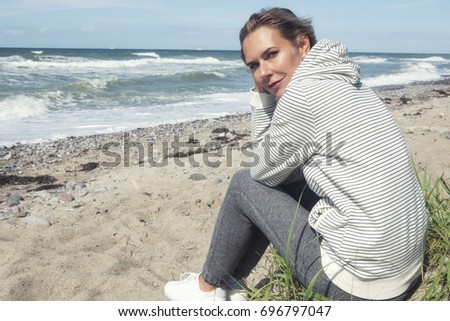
<point x="260" y="89"/>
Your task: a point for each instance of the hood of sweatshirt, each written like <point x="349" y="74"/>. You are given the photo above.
<point x="328" y="60"/>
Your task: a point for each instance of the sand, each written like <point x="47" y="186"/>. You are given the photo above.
<point x="78" y="223"/>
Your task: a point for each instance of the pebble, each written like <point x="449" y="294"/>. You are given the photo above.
<point x="15" y="211"/>
<point x="43" y="195"/>
<point x="217" y="181"/>
<point x="3" y="196"/>
<point x="65" y="197"/>
<point x="446" y="134"/>
<point x="20" y="156"/>
<point x="77" y="185"/>
<point x="37" y="220"/>
<point x="81" y="193"/>
<point x="22" y="187"/>
<point x="197" y="177"/>
<point x="221" y="130"/>
<point x="13" y="200"/>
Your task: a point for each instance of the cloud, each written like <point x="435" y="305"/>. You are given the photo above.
<point x="88" y="29"/>
<point x="10" y="32"/>
<point x="69" y="30"/>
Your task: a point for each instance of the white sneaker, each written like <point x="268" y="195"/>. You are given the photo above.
<point x="188" y="289"/>
<point x="237" y="295"/>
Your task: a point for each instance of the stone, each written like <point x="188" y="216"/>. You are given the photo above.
<point x="77" y="185"/>
<point x="446" y="134"/>
<point x="22" y="187"/>
<point x="197" y="177"/>
<point x="37" y="221"/>
<point x="4" y="196"/>
<point x="65" y="197"/>
<point x="16" y="212"/>
<point x="14" y="200"/>
<point x="220" y="130"/>
<point x="87" y="167"/>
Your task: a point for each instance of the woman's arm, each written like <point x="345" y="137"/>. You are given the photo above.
<point x="284" y="139"/>
<point x="263" y="105"/>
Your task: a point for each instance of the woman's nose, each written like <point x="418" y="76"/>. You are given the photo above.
<point x="264" y="70"/>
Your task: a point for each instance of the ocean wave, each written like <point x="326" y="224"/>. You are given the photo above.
<point x="200" y="61"/>
<point x="20" y="106"/>
<point x="412" y="72"/>
<point x="64" y="63"/>
<point x="146" y="54"/>
<point x="77" y="64"/>
<point x="203" y="75"/>
<point x="435" y="59"/>
<point x="4" y="61"/>
<point x="97" y="83"/>
<point x="217" y="74"/>
<point x="73" y="98"/>
<point x="87" y="121"/>
<point x="37" y="52"/>
<point x="369" y="60"/>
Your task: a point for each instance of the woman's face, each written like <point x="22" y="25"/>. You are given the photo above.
<point x="272" y="59"/>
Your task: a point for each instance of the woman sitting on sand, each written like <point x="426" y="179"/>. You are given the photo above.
<point x="321" y="138"/>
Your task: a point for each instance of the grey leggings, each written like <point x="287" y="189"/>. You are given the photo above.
<point x="254" y="215"/>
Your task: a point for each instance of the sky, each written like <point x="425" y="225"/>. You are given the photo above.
<point x="412" y="26"/>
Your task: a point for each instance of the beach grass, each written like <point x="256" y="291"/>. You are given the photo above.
<point x="281" y="285"/>
<point x="436" y="276"/>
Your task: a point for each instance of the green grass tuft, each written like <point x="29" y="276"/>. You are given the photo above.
<point x="435" y="283"/>
<point x="281" y="284"/>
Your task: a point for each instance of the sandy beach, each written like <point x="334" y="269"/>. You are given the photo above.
<point x="116" y="216"/>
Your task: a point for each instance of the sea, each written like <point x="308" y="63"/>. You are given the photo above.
<point x="48" y="94"/>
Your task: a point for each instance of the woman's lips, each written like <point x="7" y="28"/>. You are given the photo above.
<point x="275" y="85"/>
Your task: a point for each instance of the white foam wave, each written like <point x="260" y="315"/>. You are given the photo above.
<point x="37" y="52"/>
<point x="99" y="83"/>
<point x="412" y="72"/>
<point x="77" y="64"/>
<point x="20" y="106"/>
<point x="11" y="59"/>
<point x="217" y="74"/>
<point x="369" y="60"/>
<point x="435" y="59"/>
<point x="65" y="63"/>
<point x="199" y="61"/>
<point x="59" y="99"/>
<point x="146" y="54"/>
<point x="79" y="122"/>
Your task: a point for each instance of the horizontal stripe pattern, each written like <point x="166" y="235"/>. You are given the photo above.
<point x="372" y="214"/>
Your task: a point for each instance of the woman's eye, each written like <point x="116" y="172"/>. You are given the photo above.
<point x="272" y="54"/>
<point x="253" y="66"/>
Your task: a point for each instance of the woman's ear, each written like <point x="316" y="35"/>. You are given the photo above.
<point x="304" y="45"/>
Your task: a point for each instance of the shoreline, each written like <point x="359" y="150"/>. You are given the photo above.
<point x="86" y="218"/>
<point x="395" y="98"/>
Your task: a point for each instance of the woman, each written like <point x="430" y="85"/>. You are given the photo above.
<point x="322" y="137"/>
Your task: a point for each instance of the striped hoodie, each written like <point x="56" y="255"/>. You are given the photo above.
<point x="334" y="132"/>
